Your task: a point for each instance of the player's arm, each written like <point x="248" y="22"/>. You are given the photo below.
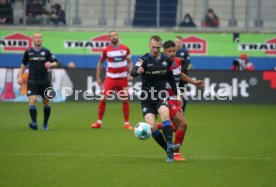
<point x="99" y="67"/>
<point x="138" y="68"/>
<point x="51" y="64"/>
<point x="130" y="67"/>
<point x="21" y="71"/>
<point x="51" y="61"/>
<point x="188" y="79"/>
<point x="23" y="67"/>
<point x="98" y="74"/>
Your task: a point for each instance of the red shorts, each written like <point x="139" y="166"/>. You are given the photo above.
<point x="174" y="107"/>
<point x="118" y="85"/>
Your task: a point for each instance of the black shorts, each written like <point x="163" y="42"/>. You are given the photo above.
<point x="152" y="106"/>
<point x="38" y="88"/>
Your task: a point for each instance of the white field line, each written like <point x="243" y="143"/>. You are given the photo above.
<point x="126" y="155"/>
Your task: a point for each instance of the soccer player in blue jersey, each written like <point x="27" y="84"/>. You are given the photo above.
<point x="39" y="60"/>
<point x="156" y="70"/>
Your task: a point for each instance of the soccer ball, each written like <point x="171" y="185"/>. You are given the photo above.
<point x="142" y="131"/>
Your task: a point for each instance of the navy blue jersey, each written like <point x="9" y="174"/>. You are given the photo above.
<point x="183" y="53"/>
<point x="157" y="72"/>
<point x="36" y="60"/>
<point x="185" y="57"/>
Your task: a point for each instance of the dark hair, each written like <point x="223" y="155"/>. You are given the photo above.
<point x="156" y="38"/>
<point x="179" y="37"/>
<point x="112" y="31"/>
<point x="168" y="44"/>
<point x="210" y="10"/>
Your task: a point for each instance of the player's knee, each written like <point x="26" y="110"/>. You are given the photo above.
<point x="183" y="125"/>
<point x="32" y="101"/>
<point x="154" y="128"/>
<point x="164" y="114"/>
<point x="46" y="102"/>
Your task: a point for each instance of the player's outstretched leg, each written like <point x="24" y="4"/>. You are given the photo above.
<point x="159" y="138"/>
<point x="167" y="131"/>
<point x="181" y="122"/>
<point x="150" y="118"/>
<point x="101" y="111"/>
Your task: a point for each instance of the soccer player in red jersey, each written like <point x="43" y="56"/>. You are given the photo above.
<point x="175" y="105"/>
<point x="118" y="70"/>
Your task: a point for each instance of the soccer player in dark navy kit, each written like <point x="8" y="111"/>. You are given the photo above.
<point x="39" y="60"/>
<point x="156" y="70"/>
<point x="183" y="54"/>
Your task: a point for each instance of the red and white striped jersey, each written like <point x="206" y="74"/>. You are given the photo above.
<point x="176" y="67"/>
<point x="117" y="66"/>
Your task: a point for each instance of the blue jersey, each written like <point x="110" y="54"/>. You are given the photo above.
<point x="36" y="60"/>
<point x="157" y="72"/>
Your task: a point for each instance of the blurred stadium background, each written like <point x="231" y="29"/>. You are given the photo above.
<point x="241" y="15"/>
<point x="228" y="143"/>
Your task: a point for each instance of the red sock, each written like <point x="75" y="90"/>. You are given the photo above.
<point x="179" y="137"/>
<point x="101" y="109"/>
<point x="126" y="111"/>
<point x="159" y="125"/>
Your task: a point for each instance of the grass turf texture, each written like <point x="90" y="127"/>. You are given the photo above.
<point x="226" y="145"/>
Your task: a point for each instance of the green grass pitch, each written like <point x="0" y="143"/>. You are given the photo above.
<point x="225" y="145"/>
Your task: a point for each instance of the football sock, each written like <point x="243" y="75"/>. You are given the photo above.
<point x="101" y="109"/>
<point x="167" y="130"/>
<point x="33" y="113"/>
<point x="179" y="137"/>
<point x="47" y="111"/>
<point x="126" y="111"/>
<point x="159" y="125"/>
<point x="159" y="138"/>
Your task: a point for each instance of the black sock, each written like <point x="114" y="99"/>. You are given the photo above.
<point x="159" y="138"/>
<point x="47" y="111"/>
<point x="167" y="130"/>
<point x="33" y="113"/>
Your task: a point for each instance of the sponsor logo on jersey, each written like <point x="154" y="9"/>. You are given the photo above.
<point x="165" y="64"/>
<point x="139" y="63"/>
<point x="145" y="109"/>
<point x="96" y="44"/>
<point x="38" y="58"/>
<point x="16" y="42"/>
<point x="195" y="45"/>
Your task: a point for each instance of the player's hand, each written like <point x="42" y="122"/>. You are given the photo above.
<point x="99" y="81"/>
<point x="48" y="65"/>
<point x="129" y="77"/>
<point x="140" y="70"/>
<point x="199" y="83"/>
<point x="19" y="80"/>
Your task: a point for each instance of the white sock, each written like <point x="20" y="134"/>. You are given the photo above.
<point x="100" y="121"/>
